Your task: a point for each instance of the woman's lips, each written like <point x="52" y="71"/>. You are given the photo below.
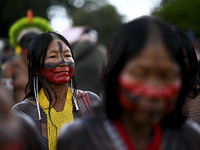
<point x="60" y="70"/>
<point x="59" y="74"/>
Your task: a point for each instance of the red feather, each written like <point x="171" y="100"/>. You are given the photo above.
<point x="30" y="16"/>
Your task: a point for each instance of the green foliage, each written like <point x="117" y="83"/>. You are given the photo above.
<point x="183" y="13"/>
<point x="12" y="10"/>
<point x="105" y="20"/>
<point x="95" y="13"/>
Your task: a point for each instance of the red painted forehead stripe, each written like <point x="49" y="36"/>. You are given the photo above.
<point x="166" y="92"/>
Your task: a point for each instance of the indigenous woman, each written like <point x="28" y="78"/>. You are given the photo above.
<point x="51" y="97"/>
<point x="145" y="85"/>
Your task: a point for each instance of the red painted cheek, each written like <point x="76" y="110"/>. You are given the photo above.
<point x="167" y="93"/>
<point x="58" y="75"/>
<point x="71" y="72"/>
<point x="128" y="105"/>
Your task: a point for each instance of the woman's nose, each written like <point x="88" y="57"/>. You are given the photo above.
<point x="154" y="82"/>
<point x="63" y="64"/>
<point x="62" y="60"/>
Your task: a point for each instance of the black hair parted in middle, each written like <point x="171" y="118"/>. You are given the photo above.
<point x="37" y="51"/>
<point x="128" y="42"/>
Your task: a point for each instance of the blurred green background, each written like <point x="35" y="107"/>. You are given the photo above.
<point x="183" y="13"/>
<point x="96" y="13"/>
<point x="100" y="14"/>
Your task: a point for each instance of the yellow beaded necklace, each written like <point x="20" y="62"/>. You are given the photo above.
<point x="55" y="119"/>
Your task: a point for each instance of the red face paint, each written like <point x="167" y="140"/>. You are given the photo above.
<point x="61" y="72"/>
<point x="58" y="75"/>
<point x="136" y="90"/>
<point x="125" y="102"/>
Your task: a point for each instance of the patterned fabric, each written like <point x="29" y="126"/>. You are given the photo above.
<point x="29" y="107"/>
<point x="191" y="109"/>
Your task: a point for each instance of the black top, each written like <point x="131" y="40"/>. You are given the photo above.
<point x="98" y="133"/>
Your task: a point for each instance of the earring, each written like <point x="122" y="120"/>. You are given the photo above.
<point x="35" y="85"/>
<point x="72" y="91"/>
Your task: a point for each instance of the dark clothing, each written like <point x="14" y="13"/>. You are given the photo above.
<point x="90" y="60"/>
<point x="98" y="133"/>
<point x="28" y="132"/>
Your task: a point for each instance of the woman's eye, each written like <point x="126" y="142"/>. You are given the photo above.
<point x="138" y="73"/>
<point x="52" y="56"/>
<point x="67" y="55"/>
<point x="168" y="76"/>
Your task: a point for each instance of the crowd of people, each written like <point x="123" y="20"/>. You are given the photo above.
<point x="141" y="94"/>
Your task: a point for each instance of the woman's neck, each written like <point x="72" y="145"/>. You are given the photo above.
<point x="61" y="93"/>
<point x="140" y="134"/>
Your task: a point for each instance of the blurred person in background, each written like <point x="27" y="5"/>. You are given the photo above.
<point x="145" y="83"/>
<point x="90" y="58"/>
<point x="197" y="50"/>
<point x="192" y="103"/>
<point x="17" y="131"/>
<point x="7" y="52"/>
<point x="52" y="98"/>
<point x="15" y="73"/>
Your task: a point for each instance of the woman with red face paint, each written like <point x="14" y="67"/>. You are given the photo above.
<point x="52" y="99"/>
<point x="145" y="84"/>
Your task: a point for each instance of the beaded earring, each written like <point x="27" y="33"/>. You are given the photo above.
<point x="72" y="91"/>
<point x="35" y="85"/>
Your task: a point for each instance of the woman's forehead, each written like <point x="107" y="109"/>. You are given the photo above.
<point x="156" y="53"/>
<point x="58" y="44"/>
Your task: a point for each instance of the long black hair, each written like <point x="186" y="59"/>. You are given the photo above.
<point x="191" y="60"/>
<point x="37" y="51"/>
<point x="127" y="43"/>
